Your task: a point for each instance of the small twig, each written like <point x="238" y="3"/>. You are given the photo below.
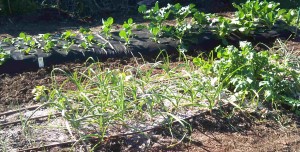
<point x="105" y="41"/>
<point x="48" y="146"/>
<point x="34" y="118"/>
<point x="18" y="110"/>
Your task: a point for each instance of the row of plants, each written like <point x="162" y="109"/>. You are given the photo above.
<point x="47" y="43"/>
<point x="251" y="17"/>
<point x="135" y="98"/>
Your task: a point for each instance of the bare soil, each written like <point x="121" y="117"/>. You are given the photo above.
<point x="211" y="131"/>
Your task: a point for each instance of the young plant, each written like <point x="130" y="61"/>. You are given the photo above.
<point x="181" y="13"/>
<point x="256" y="13"/>
<point x="69" y="37"/>
<point x="126" y="33"/>
<point x="223" y="29"/>
<point x="49" y="42"/>
<point x="157" y="16"/>
<point x="291" y="18"/>
<point x="246" y="71"/>
<point x="182" y="30"/>
<point x="107" y="26"/>
<point x="201" y="20"/>
<point x="9" y="40"/>
<point x="182" y="26"/>
<point x="4" y="55"/>
<point x="88" y="38"/>
<point x="29" y="41"/>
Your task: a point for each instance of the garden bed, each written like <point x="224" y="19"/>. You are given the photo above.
<point x="161" y="87"/>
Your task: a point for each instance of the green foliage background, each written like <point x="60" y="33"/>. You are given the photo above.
<point x="8" y="7"/>
<point x="92" y="7"/>
<point x="283" y="3"/>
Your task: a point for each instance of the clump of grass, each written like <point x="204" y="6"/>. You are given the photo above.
<point x="132" y="98"/>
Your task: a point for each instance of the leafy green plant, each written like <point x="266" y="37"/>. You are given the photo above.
<point x="88" y="38"/>
<point x="49" y="42"/>
<point x="291" y="18"/>
<point x="157" y="16"/>
<point x="9" y="40"/>
<point x="181" y="13"/>
<point x="223" y="29"/>
<point x="29" y="41"/>
<point x="201" y="19"/>
<point x="107" y="26"/>
<point x="126" y="33"/>
<point x="182" y="26"/>
<point x="69" y="37"/>
<point x="255" y="13"/>
<point x="247" y="71"/>
<point x="3" y="56"/>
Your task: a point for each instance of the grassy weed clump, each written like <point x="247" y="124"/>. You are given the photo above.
<point x="133" y="97"/>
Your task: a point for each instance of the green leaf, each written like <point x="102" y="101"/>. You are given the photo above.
<point x="126" y="26"/>
<point x="123" y="34"/>
<point x="22" y="35"/>
<point x="156" y="7"/>
<point x="142" y="9"/>
<point x="197" y="61"/>
<point x="130" y="21"/>
<point x="84" y="30"/>
<point x="84" y="45"/>
<point x="32" y="43"/>
<point x="110" y="21"/>
<point x="155" y="31"/>
<point x="90" y="37"/>
<point x="46" y="36"/>
<point x="27" y="50"/>
<point x="177" y="6"/>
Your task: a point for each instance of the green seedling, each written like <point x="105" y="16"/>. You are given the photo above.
<point x="256" y="13"/>
<point x="201" y="20"/>
<point x="224" y="29"/>
<point x="107" y="26"/>
<point x="182" y="30"/>
<point x="3" y="56"/>
<point x="84" y="30"/>
<point x="49" y="42"/>
<point x="88" y="38"/>
<point x="126" y="33"/>
<point x="68" y="36"/>
<point x="28" y="41"/>
<point x="291" y="17"/>
<point x="8" y="40"/>
<point x="181" y="13"/>
<point x="88" y="41"/>
<point x="157" y="16"/>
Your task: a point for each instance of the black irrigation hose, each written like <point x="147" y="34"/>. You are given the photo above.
<point x="105" y="138"/>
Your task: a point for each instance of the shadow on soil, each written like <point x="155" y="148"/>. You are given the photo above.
<point x="214" y="121"/>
